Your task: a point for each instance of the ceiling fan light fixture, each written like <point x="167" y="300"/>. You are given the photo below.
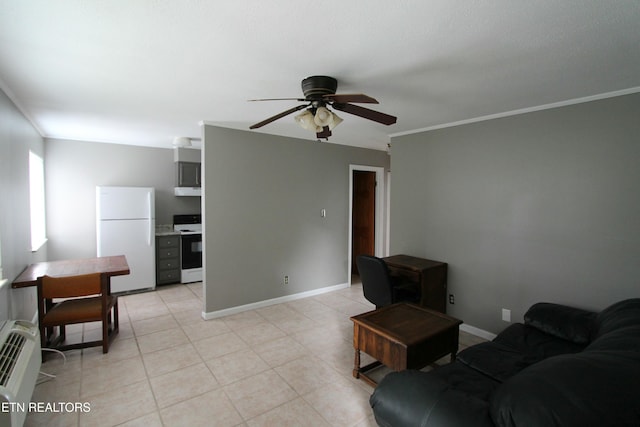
<point x="305" y="120"/>
<point x="323" y="117"/>
<point x="335" y="122"/>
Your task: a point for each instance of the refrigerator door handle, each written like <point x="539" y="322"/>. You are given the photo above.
<point x="149" y="215"/>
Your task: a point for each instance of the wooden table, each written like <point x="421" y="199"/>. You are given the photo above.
<point x="430" y="275"/>
<point x="111" y="265"/>
<point x="403" y="336"/>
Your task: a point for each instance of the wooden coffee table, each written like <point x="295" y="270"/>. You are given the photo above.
<point x="403" y="336"/>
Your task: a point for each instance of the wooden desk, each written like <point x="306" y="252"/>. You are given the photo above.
<point x="111" y="265"/>
<point x="403" y="336"/>
<point x="430" y="275"/>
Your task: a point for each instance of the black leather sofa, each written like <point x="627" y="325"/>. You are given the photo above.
<point x="563" y="367"/>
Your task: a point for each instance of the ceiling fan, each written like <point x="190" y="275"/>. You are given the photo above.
<point x="320" y="93"/>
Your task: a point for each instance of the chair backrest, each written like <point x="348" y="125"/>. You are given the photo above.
<point x="71" y="286"/>
<point x="376" y="280"/>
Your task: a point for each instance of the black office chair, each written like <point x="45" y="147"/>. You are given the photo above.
<point x="379" y="287"/>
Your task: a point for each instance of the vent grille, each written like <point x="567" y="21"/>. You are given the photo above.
<point x="9" y="354"/>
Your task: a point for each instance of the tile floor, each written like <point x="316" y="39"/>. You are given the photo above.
<point x="288" y="364"/>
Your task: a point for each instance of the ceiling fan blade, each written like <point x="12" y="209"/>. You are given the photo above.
<point x="277" y="99"/>
<point x="326" y="133"/>
<point x="278" y="116"/>
<point x="358" y="98"/>
<point x="366" y="113"/>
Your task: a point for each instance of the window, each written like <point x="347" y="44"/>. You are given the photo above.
<point x="36" y="196"/>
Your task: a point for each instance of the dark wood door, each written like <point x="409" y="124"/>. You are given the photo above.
<point x="363" y="221"/>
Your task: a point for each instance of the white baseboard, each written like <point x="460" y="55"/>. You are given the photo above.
<point x="260" y="304"/>
<point x="273" y="301"/>
<point x="477" y="332"/>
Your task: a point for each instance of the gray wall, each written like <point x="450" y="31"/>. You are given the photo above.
<point x="17" y="137"/>
<point x="262" y="203"/>
<point x="543" y="206"/>
<point x="75" y="168"/>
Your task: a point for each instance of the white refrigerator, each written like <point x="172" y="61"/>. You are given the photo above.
<point x="126" y="226"/>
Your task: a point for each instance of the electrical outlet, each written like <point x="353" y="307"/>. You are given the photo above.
<point x="506" y="315"/>
<point x="452" y="299"/>
<point x="286" y="280"/>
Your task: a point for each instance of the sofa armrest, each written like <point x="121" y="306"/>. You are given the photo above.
<point x="418" y="399"/>
<point x="592" y="388"/>
<point x="561" y="321"/>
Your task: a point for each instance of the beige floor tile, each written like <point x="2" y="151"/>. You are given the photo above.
<point x="51" y="419"/>
<point x="280" y="351"/>
<point x="98" y="379"/>
<point x="171" y="359"/>
<point x="173" y="293"/>
<point x="132" y="401"/>
<point x="183" y="384"/>
<point x="307" y="374"/>
<point x="258" y="394"/>
<point x="285" y="364"/>
<point x="212" y="409"/>
<point x="149" y="420"/>
<point x="205" y="329"/>
<point x="259" y="333"/>
<point x="148" y="311"/>
<point x="276" y="312"/>
<point x="294" y="413"/>
<point x="162" y="340"/>
<point x="295" y="323"/>
<point x="219" y="345"/>
<point x="352" y="308"/>
<point x="340" y="403"/>
<point x="191" y="304"/>
<point x="188" y="317"/>
<point x="196" y="288"/>
<point x="155" y="324"/>
<point x="125" y="330"/>
<point x="236" y="366"/>
<point x="119" y="349"/>
<point x="308" y="307"/>
<point x="243" y="320"/>
<point x="67" y="369"/>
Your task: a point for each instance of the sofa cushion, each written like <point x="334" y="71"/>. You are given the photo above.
<point x="622" y="339"/>
<point x="568" y="323"/>
<point x="595" y="388"/>
<point x="495" y="360"/>
<point x="534" y="343"/>
<point x="619" y="315"/>
<point x="417" y="399"/>
<point x="514" y="349"/>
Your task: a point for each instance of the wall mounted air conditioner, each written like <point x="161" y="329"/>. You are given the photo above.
<point x="20" y="360"/>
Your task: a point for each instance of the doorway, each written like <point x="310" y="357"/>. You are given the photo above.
<point x="363" y="217"/>
<point x="367" y="202"/>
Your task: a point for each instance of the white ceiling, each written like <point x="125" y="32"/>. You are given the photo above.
<point x="142" y="72"/>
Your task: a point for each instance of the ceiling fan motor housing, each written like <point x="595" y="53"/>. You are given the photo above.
<point x="315" y="87"/>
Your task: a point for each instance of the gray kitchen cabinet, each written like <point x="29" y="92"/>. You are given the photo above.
<point x="187" y="174"/>
<point x="167" y="259"/>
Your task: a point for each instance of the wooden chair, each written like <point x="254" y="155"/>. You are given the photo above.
<point x="85" y="298"/>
